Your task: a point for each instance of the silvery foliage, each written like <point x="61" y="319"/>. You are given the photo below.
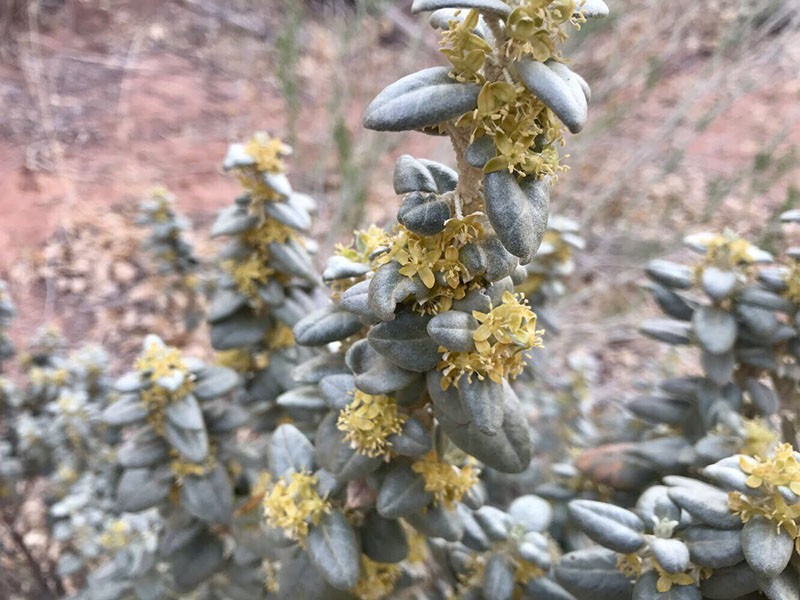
<point x="248" y="321"/>
<point x="166" y="241"/>
<point x="180" y="460"/>
<point x="7" y="312"/>
<point x="744" y="328"/>
<point x="383" y="346"/>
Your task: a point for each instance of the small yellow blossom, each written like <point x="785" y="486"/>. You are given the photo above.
<point x="268" y="152"/>
<point x="667" y="580"/>
<point x="448" y="483"/>
<point x="117" y="535"/>
<point x="504" y="336"/>
<point x="292" y="505"/>
<point x="377" y="579"/>
<point x="525" y="571"/>
<point x="792" y="281"/>
<point x="759" y="438"/>
<point x="159" y="361"/>
<point x="368" y="421"/>
<point x="630" y="565"/>
<point x="465" y="50"/>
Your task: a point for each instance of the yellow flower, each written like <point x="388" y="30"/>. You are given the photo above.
<point x="465" y="50"/>
<point x="116" y="535"/>
<point x="630" y="565"/>
<point x="377" y="579"/>
<point x="368" y="421"/>
<point x="448" y="483"/>
<point x="292" y="505"/>
<point x="504" y="336"/>
<point x="267" y="152"/>
<point x="160" y="361"/>
<point x="667" y="580"/>
<point x="759" y="438"/>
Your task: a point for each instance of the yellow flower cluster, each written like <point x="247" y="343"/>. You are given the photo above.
<point x="759" y="438"/>
<point x="164" y="198"/>
<point x="792" y="281"/>
<point x="377" y="579"/>
<point x="667" y="580"/>
<point x="726" y="252"/>
<point x="767" y="475"/>
<point x="368" y="421"/>
<point x="448" y="483"/>
<point x="292" y="505"/>
<point x="429" y="256"/>
<point x="159" y="361"/>
<point x="182" y="468"/>
<point x="525" y="132"/>
<point x="534" y="28"/>
<point x="465" y="50"/>
<point x="41" y="376"/>
<point x="630" y="565"/>
<point x="268" y="153"/>
<point x="116" y="535"/>
<point x="360" y="250"/>
<point x="504" y="336"/>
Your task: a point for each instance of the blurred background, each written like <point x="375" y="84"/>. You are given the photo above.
<point x="694" y="125"/>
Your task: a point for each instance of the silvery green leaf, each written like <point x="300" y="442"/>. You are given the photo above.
<point x="383" y="540"/>
<point x="558" y="94"/>
<point x="305" y="397"/>
<point x="666" y="330"/>
<point x="333" y="549"/>
<point x="593" y="573"/>
<point x="388" y="287"/>
<point x="336" y="455"/>
<point x="718" y="367"/>
<point x="661" y="409"/>
<point x="508" y="451"/>
<point x="774" y="278"/>
<point x="374" y="373"/>
<point x="473" y="537"/>
<point x="500" y="263"/>
<point x="592" y="9"/>
<point x="290" y="451"/>
<point x="782" y="587"/>
<point x="233" y="220"/>
<point x="413" y="441"/>
<point x="197" y="561"/>
<point x="760" y="321"/>
<point x="706" y="504"/>
<point x="140" y="489"/>
<point x="237" y="157"/>
<point x="422" y="99"/>
<point x="225" y="303"/>
<point x="532" y="512"/>
<point x="577" y="84"/>
<point x="337" y="390"/>
<point x="714" y="548"/>
<point x="672" y="555"/>
<point x="718" y="284"/>
<point x="292" y="258"/>
<point x="132" y="381"/>
<point x="185" y="413"/>
<point x="339" y="267"/>
<point x="453" y="329"/>
<point x="438" y="522"/>
<point x="326" y="325"/>
<point x="319" y="367"/>
<point x="758" y="357"/>
<point x="446" y="178"/>
<point x="241" y="329"/>
<point x="764" y="398"/>
<point x="405" y="342"/>
<point x="142" y="450"/>
<point x="410" y="175"/>
<point x="223" y="417"/>
<point x="791" y="216"/>
<point x="518" y="215"/>
<point x="356" y="300"/>
<point x="535" y="549"/>
<point x="495" y="523"/>
<point x="192" y="444"/>
<point x="402" y="492"/>
<point x="424" y="214"/>
<point x="482" y="401"/>
<point x="69" y="564"/>
<point x="715" y="329"/>
<point x="480" y="152"/>
<point x="645" y="589"/>
<point x="208" y="498"/>
<point x="729" y="582"/>
<point x="712" y="447"/>
<point x="544" y="588"/>
<point x="493" y="7"/>
<point x="498" y="578"/>
<point x="441" y="18"/>
<point x="299" y="580"/>
<point x="670" y="274"/>
<point x="727" y="474"/>
<point x="128" y="409"/>
<point x="767" y="547"/>
<point x="304" y="202"/>
<point x="475" y="497"/>
<point x="289" y="215"/>
<point x="609" y="525"/>
<point x="474" y="259"/>
<point x="279" y="182"/>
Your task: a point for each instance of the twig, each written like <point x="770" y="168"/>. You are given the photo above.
<point x="33" y="564"/>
